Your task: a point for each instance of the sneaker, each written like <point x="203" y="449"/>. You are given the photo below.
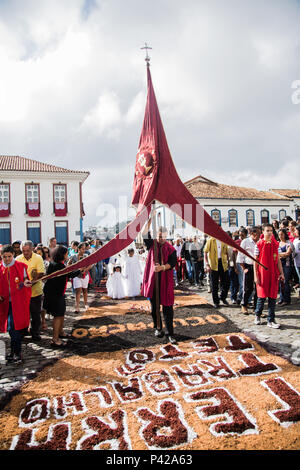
<point x="171" y="339"/>
<point x="159" y="333"/>
<point x="216" y="305"/>
<point x="257" y="320"/>
<point x="225" y="302"/>
<point x="272" y="324"/>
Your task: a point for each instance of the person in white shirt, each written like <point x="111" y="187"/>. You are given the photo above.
<point x="132" y="274"/>
<point x="249" y="245"/>
<point x="243" y="233"/>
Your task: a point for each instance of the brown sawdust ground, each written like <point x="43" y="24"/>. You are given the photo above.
<point x="82" y="373"/>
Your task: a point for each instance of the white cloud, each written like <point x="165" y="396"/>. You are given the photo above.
<point x="73" y="87"/>
<point x="105" y="116"/>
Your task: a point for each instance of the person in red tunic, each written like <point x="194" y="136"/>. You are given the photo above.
<point x="266" y="252"/>
<point x="166" y="262"/>
<point x="15" y="295"/>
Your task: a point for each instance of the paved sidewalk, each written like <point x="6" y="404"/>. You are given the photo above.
<point x="284" y="341"/>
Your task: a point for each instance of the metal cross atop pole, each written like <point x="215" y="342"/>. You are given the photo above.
<point x="146" y="47"/>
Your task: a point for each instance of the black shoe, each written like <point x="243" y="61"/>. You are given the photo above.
<point x="159" y="333"/>
<point x="225" y="302"/>
<point x="36" y="338"/>
<point x="171" y="339"/>
<point x="216" y="305"/>
<point x="25" y="333"/>
<point x="17" y="359"/>
<point x="9" y="357"/>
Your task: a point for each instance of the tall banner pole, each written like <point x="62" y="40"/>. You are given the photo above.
<point x="156" y="261"/>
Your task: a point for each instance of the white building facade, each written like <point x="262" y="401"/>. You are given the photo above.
<point x="39" y="201"/>
<point x="230" y="206"/>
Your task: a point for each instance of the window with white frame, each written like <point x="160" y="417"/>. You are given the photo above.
<point x="59" y="193"/>
<point x="250" y="218"/>
<point x="282" y="214"/>
<point x="32" y="193"/>
<point x="264" y="216"/>
<point x="4" y="193"/>
<point x="232" y="218"/>
<point x="216" y="216"/>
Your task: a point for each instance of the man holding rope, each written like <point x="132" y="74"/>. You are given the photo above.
<point x="158" y="282"/>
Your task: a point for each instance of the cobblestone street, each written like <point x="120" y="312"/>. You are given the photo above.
<point x="284" y="342"/>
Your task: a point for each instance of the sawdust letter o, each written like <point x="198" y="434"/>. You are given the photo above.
<point x="35" y="411"/>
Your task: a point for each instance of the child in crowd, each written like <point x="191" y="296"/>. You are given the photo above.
<point x="115" y="284"/>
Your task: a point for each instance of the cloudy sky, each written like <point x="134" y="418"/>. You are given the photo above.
<point x="73" y="88"/>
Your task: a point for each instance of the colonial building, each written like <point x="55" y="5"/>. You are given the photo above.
<point x="39" y="201"/>
<point x="294" y="196"/>
<point x="230" y="206"/>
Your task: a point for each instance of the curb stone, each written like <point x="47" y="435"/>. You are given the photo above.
<point x="296" y="357"/>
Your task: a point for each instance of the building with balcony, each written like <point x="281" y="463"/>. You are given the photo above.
<point x="39" y="201"/>
<point x="232" y="206"/>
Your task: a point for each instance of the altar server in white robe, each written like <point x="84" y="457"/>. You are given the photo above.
<point x="133" y="274"/>
<point x="116" y="283"/>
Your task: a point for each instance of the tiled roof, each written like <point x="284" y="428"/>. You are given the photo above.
<point x="16" y="163"/>
<point x="201" y="187"/>
<point x="287" y="192"/>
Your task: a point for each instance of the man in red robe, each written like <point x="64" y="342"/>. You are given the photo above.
<point x="266" y="252"/>
<point x="15" y="295"/>
<point x="166" y="256"/>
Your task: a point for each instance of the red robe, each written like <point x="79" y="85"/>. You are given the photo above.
<point x="166" y="280"/>
<point x="20" y="296"/>
<point x="268" y="256"/>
